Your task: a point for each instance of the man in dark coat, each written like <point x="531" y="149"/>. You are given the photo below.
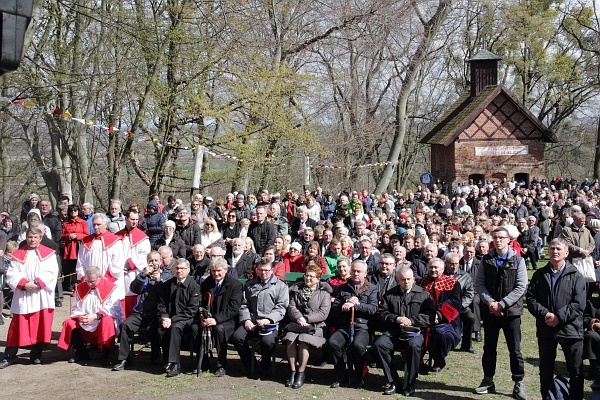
<point x="556" y="298"/>
<point x="360" y="296"/>
<point x="528" y="239"/>
<point x="177" y="307"/>
<point x="222" y="299"/>
<point x="405" y="305"/>
<point x="262" y="232"/>
<point x="146" y="284"/>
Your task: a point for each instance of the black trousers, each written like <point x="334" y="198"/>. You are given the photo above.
<point x="221" y="333"/>
<point x="356" y="352"/>
<point x="573" y="351"/>
<point x="171" y="340"/>
<point x="267" y="346"/>
<point x="384" y="347"/>
<point x="476" y="309"/>
<point x="467" y="318"/>
<point x="511" y="326"/>
<point x="10" y="353"/>
<point x="130" y="327"/>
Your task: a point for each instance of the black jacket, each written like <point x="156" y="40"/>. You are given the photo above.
<point x="244" y="265"/>
<point x="148" y="289"/>
<point x="186" y="307"/>
<point x="190" y="234"/>
<point x="568" y="306"/>
<point x="367" y="296"/>
<point x="262" y="234"/>
<point x="226" y="305"/>
<point x="176" y="244"/>
<point x="417" y="305"/>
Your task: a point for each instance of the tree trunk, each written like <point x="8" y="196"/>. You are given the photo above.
<point x="430" y="28"/>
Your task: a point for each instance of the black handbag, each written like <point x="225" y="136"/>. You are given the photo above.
<point x="297" y="328"/>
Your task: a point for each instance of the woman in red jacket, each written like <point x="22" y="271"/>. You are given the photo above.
<point x="73" y="230"/>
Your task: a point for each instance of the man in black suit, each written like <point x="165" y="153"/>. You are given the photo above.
<point x="404" y="306"/>
<point x="470" y="264"/>
<point x="222" y="299"/>
<point x="301" y="221"/>
<point x="240" y="260"/>
<point x="177" y="307"/>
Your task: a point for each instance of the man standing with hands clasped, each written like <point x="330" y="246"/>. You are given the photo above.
<point x="556" y="297"/>
<point x="501" y="283"/>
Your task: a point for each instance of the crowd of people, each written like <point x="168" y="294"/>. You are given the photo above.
<point x="420" y="273"/>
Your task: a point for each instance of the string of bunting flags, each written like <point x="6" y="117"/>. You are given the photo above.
<point x="370" y="165"/>
<point x="66" y="115"/>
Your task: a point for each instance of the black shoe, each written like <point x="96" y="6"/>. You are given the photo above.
<point x="120" y="366"/>
<point x="299" y="381"/>
<point x="409" y="390"/>
<point x="290" y="381"/>
<point x="169" y="366"/>
<point x="478" y="336"/>
<point x="340" y="383"/>
<point x="5" y="363"/>
<point x="391" y="389"/>
<point x="1" y="320"/>
<point x="36" y="361"/>
<point x="435" y="370"/>
<point x="174" y="371"/>
<point x="220" y="372"/>
<point x="80" y="355"/>
<point x="358" y="384"/>
<point x="471" y="350"/>
<point x="58" y="303"/>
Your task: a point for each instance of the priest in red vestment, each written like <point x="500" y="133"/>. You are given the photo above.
<point x="136" y="247"/>
<point x="445" y="292"/>
<point x="32" y="277"/>
<point x="95" y="313"/>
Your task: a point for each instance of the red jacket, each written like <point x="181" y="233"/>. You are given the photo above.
<point x="71" y="247"/>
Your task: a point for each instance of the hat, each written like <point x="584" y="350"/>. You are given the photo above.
<point x="170" y="223"/>
<point x="403" y="215"/>
<point x="296" y="246"/>
<point x="267" y="329"/>
<point x="594" y="223"/>
<point x="591" y="214"/>
<point x="208" y="198"/>
<point x="420" y="231"/>
<point x="409" y="332"/>
<point x="34" y="196"/>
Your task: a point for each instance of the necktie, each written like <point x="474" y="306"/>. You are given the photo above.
<point x="218" y="289"/>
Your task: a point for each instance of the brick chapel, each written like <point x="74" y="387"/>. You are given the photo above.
<point x="487" y="134"/>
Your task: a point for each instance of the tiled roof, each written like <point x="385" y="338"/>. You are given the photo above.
<point x="466" y="109"/>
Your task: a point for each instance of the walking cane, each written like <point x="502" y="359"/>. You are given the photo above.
<point x="201" y="349"/>
<point x="349" y="348"/>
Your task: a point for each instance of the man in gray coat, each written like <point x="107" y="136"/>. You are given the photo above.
<point x="265" y="302"/>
